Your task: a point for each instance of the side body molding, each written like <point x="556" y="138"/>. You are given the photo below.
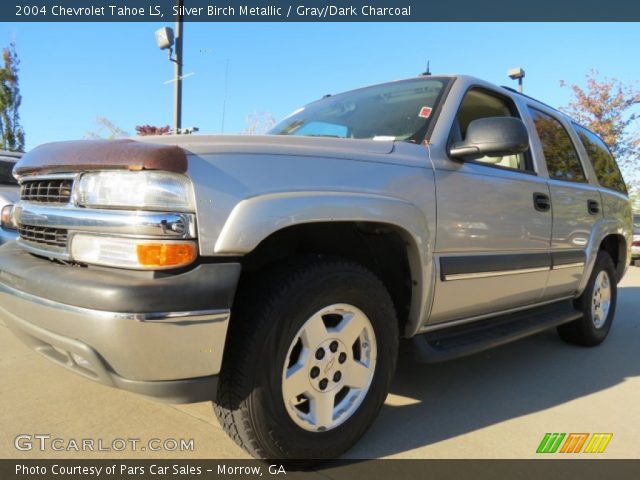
<point x="254" y="219"/>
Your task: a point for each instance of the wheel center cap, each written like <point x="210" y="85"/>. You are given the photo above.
<point x="330" y="365"/>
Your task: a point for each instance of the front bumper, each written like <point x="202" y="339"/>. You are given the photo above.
<point x="116" y="328"/>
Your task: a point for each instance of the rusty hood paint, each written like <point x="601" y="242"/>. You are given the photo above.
<point x="101" y="154"/>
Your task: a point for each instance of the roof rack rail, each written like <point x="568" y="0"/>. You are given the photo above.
<point x="534" y="99"/>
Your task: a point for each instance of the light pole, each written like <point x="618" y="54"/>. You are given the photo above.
<point x="516" y="74"/>
<point x="167" y="40"/>
<point x="177" y="96"/>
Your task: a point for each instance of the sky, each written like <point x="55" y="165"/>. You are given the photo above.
<point x="72" y="73"/>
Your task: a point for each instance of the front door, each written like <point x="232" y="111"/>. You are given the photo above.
<point x="494" y="225"/>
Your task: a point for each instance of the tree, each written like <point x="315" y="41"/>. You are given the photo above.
<point x="106" y="130"/>
<point x="608" y="107"/>
<point x="634" y="197"/>
<point x="10" y="100"/>
<point x="258" y="123"/>
<point x="144" y="130"/>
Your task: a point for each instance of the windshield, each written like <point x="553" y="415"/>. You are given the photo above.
<point x="636" y="222"/>
<point x="6" y="178"/>
<point x="393" y="111"/>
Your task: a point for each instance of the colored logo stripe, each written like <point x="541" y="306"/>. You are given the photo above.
<point x="550" y="442"/>
<point x="598" y="442"/>
<point x="574" y="442"/>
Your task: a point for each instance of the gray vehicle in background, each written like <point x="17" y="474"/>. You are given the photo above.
<point x="9" y="189"/>
<point x="635" y="245"/>
<point x="275" y="274"/>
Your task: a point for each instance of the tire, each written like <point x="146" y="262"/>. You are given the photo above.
<point x="593" y="327"/>
<point x="275" y="331"/>
<point x="636" y="262"/>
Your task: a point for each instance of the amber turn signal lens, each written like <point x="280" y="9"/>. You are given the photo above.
<point x="165" y="254"/>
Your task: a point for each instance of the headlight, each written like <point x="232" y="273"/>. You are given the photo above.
<point x="7" y="218"/>
<point x="132" y="252"/>
<point x="149" y="190"/>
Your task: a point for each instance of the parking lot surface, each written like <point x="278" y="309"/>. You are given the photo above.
<point x="496" y="404"/>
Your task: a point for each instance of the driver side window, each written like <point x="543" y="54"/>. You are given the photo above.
<point x="476" y="104"/>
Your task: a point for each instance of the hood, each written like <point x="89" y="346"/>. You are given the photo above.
<point x="169" y="152"/>
<point x="275" y="145"/>
<point x="101" y="154"/>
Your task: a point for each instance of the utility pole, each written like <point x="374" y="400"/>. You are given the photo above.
<point x="177" y="105"/>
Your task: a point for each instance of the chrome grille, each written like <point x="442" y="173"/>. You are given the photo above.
<point x="46" y="191"/>
<point x="55" y="237"/>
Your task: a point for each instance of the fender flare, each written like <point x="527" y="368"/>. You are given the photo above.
<point x="254" y="219"/>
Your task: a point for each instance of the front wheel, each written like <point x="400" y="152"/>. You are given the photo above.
<point x="598" y="305"/>
<point x="309" y="360"/>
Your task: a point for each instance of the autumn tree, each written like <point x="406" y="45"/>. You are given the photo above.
<point x="145" y="130"/>
<point x="609" y="108"/>
<point x="634" y="197"/>
<point x="258" y="123"/>
<point x="105" y="129"/>
<point x="10" y="100"/>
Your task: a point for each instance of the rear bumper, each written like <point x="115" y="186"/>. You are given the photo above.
<point x="635" y="252"/>
<point x="169" y="354"/>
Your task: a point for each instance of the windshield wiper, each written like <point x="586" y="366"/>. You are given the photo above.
<point x="322" y="135"/>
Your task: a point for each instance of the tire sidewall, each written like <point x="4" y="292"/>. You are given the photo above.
<point x="603" y="262"/>
<point x="272" y="422"/>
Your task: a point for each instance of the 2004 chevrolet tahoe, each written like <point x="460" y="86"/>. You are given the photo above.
<point x="275" y="274"/>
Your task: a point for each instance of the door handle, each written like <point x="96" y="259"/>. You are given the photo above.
<point x="593" y="207"/>
<point x="541" y="202"/>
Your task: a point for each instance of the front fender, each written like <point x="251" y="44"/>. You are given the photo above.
<point x="254" y="219"/>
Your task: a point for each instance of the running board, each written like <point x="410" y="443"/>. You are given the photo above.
<point x="459" y="341"/>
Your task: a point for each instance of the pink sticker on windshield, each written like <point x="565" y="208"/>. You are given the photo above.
<point x="425" y="112"/>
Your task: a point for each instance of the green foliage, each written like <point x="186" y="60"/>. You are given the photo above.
<point x="10" y="99"/>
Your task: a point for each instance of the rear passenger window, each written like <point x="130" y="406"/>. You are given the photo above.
<point x="560" y="154"/>
<point x="605" y="166"/>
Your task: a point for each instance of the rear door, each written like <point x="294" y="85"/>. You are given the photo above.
<point x="613" y="191"/>
<point x="576" y="203"/>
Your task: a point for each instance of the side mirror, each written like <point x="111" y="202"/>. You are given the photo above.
<point x="492" y="136"/>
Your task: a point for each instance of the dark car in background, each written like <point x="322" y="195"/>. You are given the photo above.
<point x="9" y="189"/>
<point x="635" y="245"/>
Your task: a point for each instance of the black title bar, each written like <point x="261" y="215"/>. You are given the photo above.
<point x="535" y="469"/>
<point x="320" y="11"/>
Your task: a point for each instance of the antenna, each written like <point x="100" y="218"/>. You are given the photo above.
<point x="428" y="71"/>
<point x="224" y="102"/>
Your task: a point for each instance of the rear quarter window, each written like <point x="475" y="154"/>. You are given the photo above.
<point x="607" y="171"/>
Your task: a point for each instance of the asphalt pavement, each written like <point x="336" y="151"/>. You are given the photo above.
<point x="496" y="404"/>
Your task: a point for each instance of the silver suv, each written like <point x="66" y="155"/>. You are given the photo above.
<point x="275" y="274"/>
